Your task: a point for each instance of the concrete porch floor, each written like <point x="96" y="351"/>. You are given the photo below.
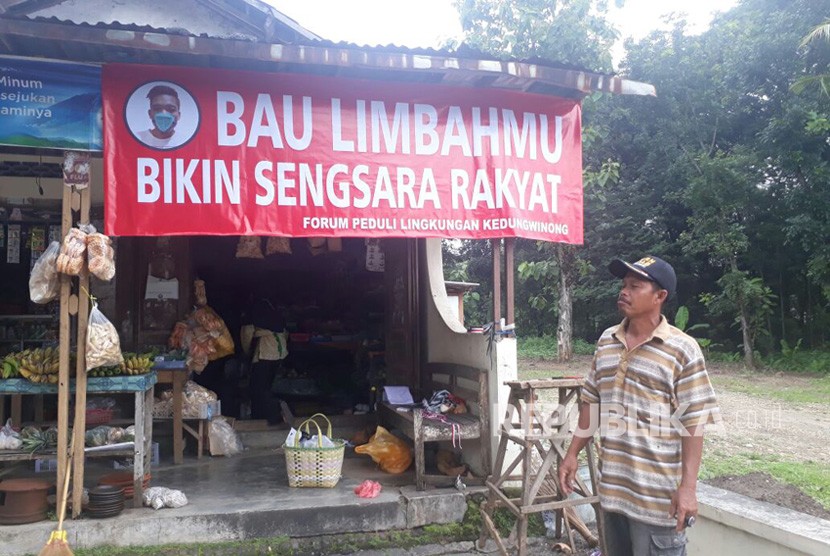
<point x="247" y="496"/>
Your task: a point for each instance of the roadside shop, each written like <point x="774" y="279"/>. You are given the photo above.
<point x="276" y="207"/>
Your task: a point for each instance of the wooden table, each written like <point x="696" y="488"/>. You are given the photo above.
<point x="142" y="388"/>
<point x="177" y="374"/>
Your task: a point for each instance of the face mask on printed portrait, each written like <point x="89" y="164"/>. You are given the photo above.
<point x="164" y="120"/>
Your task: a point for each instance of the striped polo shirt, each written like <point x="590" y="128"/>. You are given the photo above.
<point x="646" y="397"/>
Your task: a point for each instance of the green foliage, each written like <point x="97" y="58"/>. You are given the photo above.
<point x="725" y="173"/>
<point x="724" y="357"/>
<point x="544" y="347"/>
<point x="741" y="293"/>
<point x="796" y="360"/>
<point x="819" y="33"/>
<point x="574" y="32"/>
<point x="681" y="321"/>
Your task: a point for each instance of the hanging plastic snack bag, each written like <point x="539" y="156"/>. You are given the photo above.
<point x="275" y="245"/>
<point x="101" y="256"/>
<point x="73" y="252"/>
<point x="222" y="340"/>
<point x="44" y="283"/>
<point x="103" y="347"/>
<point x="199" y="293"/>
<point x="249" y="247"/>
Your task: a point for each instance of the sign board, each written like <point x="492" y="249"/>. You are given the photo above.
<point x="50" y="105"/>
<point x="211" y="151"/>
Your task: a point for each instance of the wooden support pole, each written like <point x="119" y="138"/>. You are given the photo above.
<point x="496" y="280"/>
<point x="80" y="371"/>
<point x="63" y="351"/>
<point x="509" y="272"/>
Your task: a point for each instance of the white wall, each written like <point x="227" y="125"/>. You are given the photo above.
<point x="449" y="342"/>
<point x="729" y="523"/>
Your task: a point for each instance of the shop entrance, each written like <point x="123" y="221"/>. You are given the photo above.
<point x="307" y="322"/>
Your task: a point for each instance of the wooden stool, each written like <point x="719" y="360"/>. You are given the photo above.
<point x="200" y="433"/>
<point x="540" y="487"/>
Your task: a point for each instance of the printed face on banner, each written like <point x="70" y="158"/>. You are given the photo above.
<point x="162" y="115"/>
<point x="208" y="151"/>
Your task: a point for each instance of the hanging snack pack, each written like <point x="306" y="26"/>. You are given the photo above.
<point x="103" y="348"/>
<point x="249" y="247"/>
<point x="215" y="326"/>
<point x="44" y="285"/>
<point x="101" y="256"/>
<point x="73" y="252"/>
<point x="275" y="245"/>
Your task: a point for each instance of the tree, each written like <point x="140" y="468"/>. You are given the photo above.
<point x="575" y="32"/>
<point x="819" y="33"/>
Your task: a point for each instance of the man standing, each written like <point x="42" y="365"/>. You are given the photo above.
<point x="649" y="386"/>
<point x="164" y="114"/>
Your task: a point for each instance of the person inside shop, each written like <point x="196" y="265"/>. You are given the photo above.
<point x="649" y="392"/>
<point x="164" y="114"/>
<point x="264" y="340"/>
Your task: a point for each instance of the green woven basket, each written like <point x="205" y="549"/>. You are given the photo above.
<point x="317" y="467"/>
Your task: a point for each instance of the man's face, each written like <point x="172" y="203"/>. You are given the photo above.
<point x="164" y="111"/>
<point x="639" y="296"/>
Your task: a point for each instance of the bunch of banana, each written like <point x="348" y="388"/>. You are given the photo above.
<point x="135" y="364"/>
<point x="10" y="367"/>
<point x="40" y="365"/>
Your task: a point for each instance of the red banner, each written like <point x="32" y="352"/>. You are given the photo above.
<point x="195" y="151"/>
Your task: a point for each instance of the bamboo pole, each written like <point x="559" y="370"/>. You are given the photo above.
<point x="63" y="349"/>
<point x="80" y="371"/>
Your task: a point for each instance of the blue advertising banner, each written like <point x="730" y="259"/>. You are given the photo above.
<point x="50" y="105"/>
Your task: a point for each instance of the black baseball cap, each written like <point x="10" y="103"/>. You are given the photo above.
<point x="649" y="267"/>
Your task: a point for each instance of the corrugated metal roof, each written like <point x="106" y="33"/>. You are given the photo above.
<point x="288" y="47"/>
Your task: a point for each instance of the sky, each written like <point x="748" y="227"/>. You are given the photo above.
<point x="428" y="23"/>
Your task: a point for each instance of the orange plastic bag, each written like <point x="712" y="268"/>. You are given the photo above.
<point x="392" y="454"/>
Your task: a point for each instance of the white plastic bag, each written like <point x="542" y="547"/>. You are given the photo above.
<point x="103" y="347"/>
<point x="162" y="497"/>
<point x="223" y="439"/>
<point x="44" y="285"/>
<point x="9" y="439"/>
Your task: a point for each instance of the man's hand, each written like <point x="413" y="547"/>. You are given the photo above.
<point x="567" y="474"/>
<point x="683" y="504"/>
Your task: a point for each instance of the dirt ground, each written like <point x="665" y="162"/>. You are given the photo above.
<point x="798" y="432"/>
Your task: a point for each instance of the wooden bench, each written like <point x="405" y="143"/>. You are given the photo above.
<point x="468" y="383"/>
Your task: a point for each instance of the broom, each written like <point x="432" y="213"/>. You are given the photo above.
<point x="57" y="544"/>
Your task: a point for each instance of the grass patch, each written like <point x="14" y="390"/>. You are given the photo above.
<point x="536" y="347"/>
<point x="814" y="390"/>
<point x="544" y="347"/>
<point x="809" y="361"/>
<point x="812" y="478"/>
